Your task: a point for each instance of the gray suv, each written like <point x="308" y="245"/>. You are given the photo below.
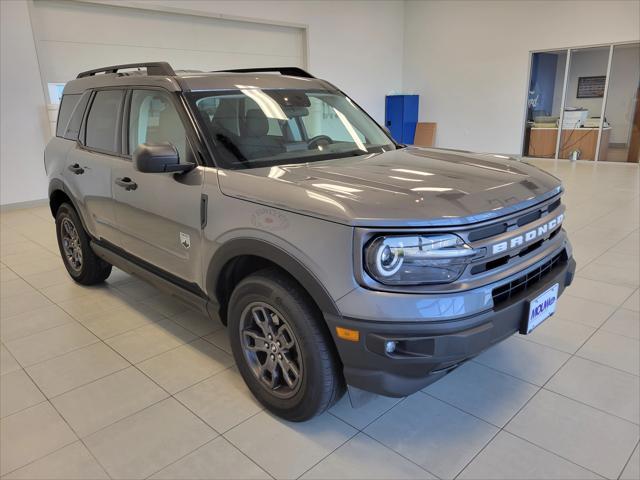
<point x="337" y="258"/>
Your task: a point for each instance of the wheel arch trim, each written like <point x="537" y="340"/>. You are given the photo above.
<point x="58" y="185"/>
<point x="245" y="246"/>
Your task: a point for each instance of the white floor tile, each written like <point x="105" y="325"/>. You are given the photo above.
<point x="363" y="415"/>
<point x="614" y="350"/>
<point x="217" y="460"/>
<point x="586" y="436"/>
<point x="17" y="392"/>
<point x="286" y="450"/>
<point x="150" y="340"/>
<point x="186" y="365"/>
<point x="76" y="368"/>
<point x="50" y="343"/>
<point x="362" y="457"/>
<point x="511" y="458"/>
<point x="484" y="392"/>
<point x="436" y="436"/>
<point x="30" y="434"/>
<point x="523" y="359"/>
<point x="73" y="462"/>
<point x="624" y="322"/>
<point x="561" y="334"/>
<point x="100" y="403"/>
<point x="602" y="387"/>
<point x="580" y="310"/>
<point x="223" y="400"/>
<point x="149" y="440"/>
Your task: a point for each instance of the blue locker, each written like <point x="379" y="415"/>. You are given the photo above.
<point x="401" y="117"/>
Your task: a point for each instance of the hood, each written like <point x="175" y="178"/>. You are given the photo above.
<point x="409" y="187"/>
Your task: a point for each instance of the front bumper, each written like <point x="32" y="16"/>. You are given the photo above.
<point x="428" y="350"/>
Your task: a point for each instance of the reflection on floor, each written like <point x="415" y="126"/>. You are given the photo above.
<point x="120" y="381"/>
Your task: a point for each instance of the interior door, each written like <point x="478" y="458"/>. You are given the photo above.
<point x="158" y="214"/>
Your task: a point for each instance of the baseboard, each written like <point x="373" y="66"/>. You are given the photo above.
<point x="19" y="205"/>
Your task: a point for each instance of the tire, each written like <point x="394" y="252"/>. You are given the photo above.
<point x="84" y="266"/>
<point x="296" y="318"/>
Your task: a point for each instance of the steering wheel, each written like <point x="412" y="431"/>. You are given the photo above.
<point x="318" y="140"/>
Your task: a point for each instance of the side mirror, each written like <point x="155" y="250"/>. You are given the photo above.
<point x="160" y="158"/>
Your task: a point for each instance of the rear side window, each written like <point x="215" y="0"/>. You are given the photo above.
<point x="67" y="105"/>
<point x="73" y="129"/>
<point x="102" y="121"/>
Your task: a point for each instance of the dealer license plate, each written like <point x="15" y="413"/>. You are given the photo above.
<point x="542" y="307"/>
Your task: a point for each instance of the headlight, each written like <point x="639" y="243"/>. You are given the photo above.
<point x="417" y="259"/>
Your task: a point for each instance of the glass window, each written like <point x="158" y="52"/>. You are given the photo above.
<point x="252" y="127"/>
<point x="73" y="128"/>
<point x="325" y="119"/>
<point x="155" y="120"/>
<point x="102" y="120"/>
<point x="67" y="105"/>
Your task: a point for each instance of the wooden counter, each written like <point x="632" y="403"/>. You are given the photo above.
<point x="542" y="142"/>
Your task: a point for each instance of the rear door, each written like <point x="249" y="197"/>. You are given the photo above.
<point x="91" y="161"/>
<point x="158" y="214"/>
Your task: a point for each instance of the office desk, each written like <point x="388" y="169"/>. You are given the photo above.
<point x="542" y="142"/>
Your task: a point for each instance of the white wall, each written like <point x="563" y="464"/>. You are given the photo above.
<point x="468" y="60"/>
<point x="356" y="45"/>
<point x="23" y="117"/>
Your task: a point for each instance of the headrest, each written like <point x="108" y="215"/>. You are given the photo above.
<point x="226" y="116"/>
<point x="256" y="123"/>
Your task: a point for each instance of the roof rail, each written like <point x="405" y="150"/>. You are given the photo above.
<point x="153" y="68"/>
<point x="292" y="71"/>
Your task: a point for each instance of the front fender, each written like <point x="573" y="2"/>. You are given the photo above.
<point x="261" y="248"/>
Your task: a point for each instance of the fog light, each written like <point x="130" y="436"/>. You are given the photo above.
<point x="390" y="346"/>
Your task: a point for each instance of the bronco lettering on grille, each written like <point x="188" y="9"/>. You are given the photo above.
<point x="529" y="236"/>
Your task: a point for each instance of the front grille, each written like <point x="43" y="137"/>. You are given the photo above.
<point x="501" y="227"/>
<point x="505" y="292"/>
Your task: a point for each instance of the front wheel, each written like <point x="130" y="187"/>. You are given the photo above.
<point x="82" y="263"/>
<point x="281" y="347"/>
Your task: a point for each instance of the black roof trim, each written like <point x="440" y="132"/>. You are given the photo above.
<point x="153" y="68"/>
<point x="291" y="71"/>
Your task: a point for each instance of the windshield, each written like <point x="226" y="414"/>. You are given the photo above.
<point x="251" y="127"/>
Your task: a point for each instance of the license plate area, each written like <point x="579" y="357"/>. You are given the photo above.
<point x="540" y="308"/>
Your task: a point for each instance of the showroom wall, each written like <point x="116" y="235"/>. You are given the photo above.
<point x="468" y="60"/>
<point x="24" y="126"/>
<point x="356" y="45"/>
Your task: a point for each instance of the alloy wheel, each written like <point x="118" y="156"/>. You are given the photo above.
<point x="71" y="244"/>
<point x="271" y="349"/>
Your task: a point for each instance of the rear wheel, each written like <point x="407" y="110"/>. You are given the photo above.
<point x="81" y="262"/>
<point x="281" y="347"/>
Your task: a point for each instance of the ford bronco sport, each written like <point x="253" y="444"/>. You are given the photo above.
<point x="269" y="200"/>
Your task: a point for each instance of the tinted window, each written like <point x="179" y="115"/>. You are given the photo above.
<point x="71" y="133"/>
<point x="155" y="120"/>
<point x="67" y="105"/>
<point x="103" y="120"/>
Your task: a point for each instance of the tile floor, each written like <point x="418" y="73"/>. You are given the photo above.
<point x="118" y="381"/>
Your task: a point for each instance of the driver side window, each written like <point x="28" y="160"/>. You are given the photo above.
<point x="154" y="120"/>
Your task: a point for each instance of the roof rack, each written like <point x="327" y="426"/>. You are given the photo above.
<point x="153" y="68"/>
<point x="292" y="71"/>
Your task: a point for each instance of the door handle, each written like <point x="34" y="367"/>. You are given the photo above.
<point x="126" y="183"/>
<point x="77" y="169"/>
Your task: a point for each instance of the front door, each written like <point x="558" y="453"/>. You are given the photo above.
<point x="158" y="214"/>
